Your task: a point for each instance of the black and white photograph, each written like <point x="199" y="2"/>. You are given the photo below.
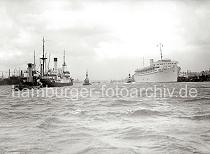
<point x="104" y="76"/>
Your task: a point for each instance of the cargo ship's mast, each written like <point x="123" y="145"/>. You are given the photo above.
<point x="64" y="61"/>
<point x="43" y="57"/>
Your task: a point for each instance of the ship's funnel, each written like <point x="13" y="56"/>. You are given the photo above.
<point x="151" y="62"/>
<point x="30" y="75"/>
<point x="56" y="65"/>
<point x="21" y="73"/>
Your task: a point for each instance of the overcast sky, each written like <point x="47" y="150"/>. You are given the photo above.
<point x="109" y="38"/>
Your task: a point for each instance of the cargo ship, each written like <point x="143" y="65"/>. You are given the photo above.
<point x="11" y="79"/>
<point x="56" y="77"/>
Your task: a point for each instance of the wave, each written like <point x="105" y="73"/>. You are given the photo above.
<point x="144" y="112"/>
<point x="201" y="117"/>
<point x="105" y="150"/>
<point x="124" y="101"/>
<point x="49" y="123"/>
<point x="197" y="99"/>
<point x="197" y="117"/>
<point x="121" y="102"/>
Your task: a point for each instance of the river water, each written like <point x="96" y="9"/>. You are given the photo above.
<point x="105" y="122"/>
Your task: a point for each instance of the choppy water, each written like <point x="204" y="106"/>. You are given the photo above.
<point x="102" y="124"/>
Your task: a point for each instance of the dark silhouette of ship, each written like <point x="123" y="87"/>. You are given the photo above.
<point x="56" y="77"/>
<point x="51" y="78"/>
<point x="87" y="81"/>
<point x="30" y="81"/>
<point x="130" y="79"/>
<point x="10" y="80"/>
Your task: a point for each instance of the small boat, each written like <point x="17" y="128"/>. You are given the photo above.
<point x="86" y="81"/>
<point x="29" y="82"/>
<point x="129" y="80"/>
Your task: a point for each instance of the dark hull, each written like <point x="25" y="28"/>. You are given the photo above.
<point x="51" y="83"/>
<point x="61" y="84"/>
<point x="201" y="78"/>
<point x="3" y="82"/>
<point x="85" y="84"/>
<point x="129" y="81"/>
<point x="23" y="84"/>
<point x="10" y="81"/>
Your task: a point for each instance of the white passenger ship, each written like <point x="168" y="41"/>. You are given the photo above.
<point x="164" y="70"/>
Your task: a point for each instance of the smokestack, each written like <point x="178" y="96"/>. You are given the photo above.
<point x="9" y="73"/>
<point x="56" y="65"/>
<point x="151" y="62"/>
<point x="30" y="75"/>
<point x="21" y="73"/>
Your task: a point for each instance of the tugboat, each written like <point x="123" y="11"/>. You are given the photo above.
<point x="28" y="82"/>
<point x="86" y="81"/>
<point x="129" y="80"/>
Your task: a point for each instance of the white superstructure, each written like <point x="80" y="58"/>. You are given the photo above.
<point x="161" y="71"/>
<point x="164" y="70"/>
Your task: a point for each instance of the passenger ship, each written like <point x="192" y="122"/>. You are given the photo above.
<point x="163" y="70"/>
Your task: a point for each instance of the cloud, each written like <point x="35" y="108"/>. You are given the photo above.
<point x="100" y="35"/>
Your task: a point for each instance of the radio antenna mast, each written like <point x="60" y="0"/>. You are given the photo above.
<point x="161" y="54"/>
